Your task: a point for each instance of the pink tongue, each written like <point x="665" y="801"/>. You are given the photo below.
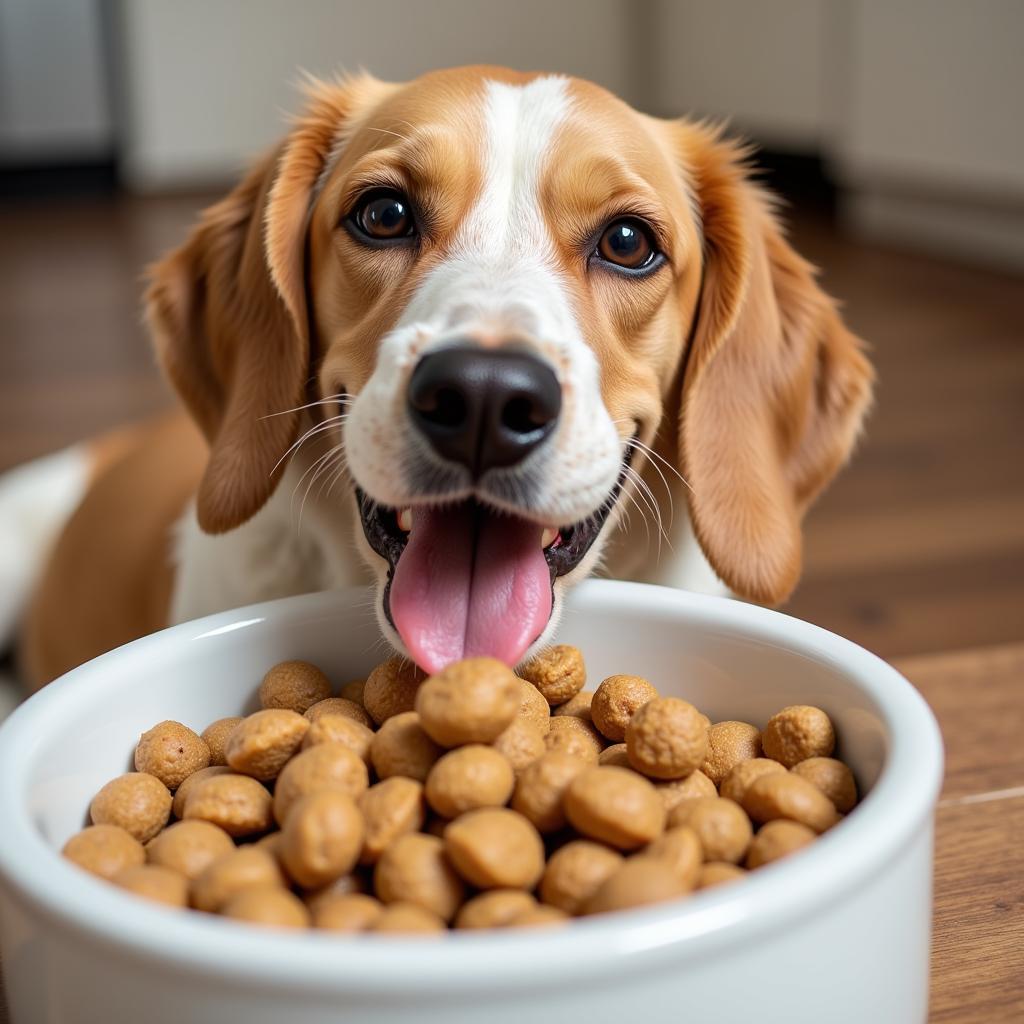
<point x="468" y="585"/>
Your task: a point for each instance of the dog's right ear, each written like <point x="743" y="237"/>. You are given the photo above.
<point x="229" y="316"/>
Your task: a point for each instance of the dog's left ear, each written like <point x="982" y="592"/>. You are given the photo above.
<point x="774" y="389"/>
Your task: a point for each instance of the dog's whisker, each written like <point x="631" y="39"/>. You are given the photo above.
<point x="342" y="398"/>
<point x="655" y="457"/>
<point x="310" y="469"/>
<point x="664" y="481"/>
<point x="317" y="428"/>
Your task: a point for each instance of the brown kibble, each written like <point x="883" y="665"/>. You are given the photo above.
<point x="638" y="882"/>
<point x="326" y="766"/>
<point x="540" y="790"/>
<point x="416" y="869"/>
<point x="295" y="685"/>
<point x="407" y="919"/>
<point x="735" y="784"/>
<point x="615" y="806"/>
<point x="788" y="796"/>
<point x="215" y="736"/>
<point x="729" y="743"/>
<point x="471" y="701"/>
<point x="495" y="848"/>
<point x="152" y="882"/>
<point x="240" y="869"/>
<point x="391" y="688"/>
<point x="104" y="850"/>
<point x="339" y="729"/>
<point x="777" y="839"/>
<point x="576" y="707"/>
<point x="339" y="706"/>
<point x="137" y="802"/>
<point x="674" y="791"/>
<point x="615" y="702"/>
<point x="797" y="733"/>
<point x="189" y="847"/>
<point x="721" y="825"/>
<point x="718" y="872"/>
<point x="575" y="872"/>
<point x="666" y="738"/>
<point x="521" y="743"/>
<point x="353" y="691"/>
<point x="833" y="778"/>
<point x="390" y="809"/>
<point x="352" y="912"/>
<point x="237" y="803"/>
<point x="615" y="755"/>
<point x="558" y="672"/>
<point x="267" y="905"/>
<point x="322" y="837"/>
<point x="171" y="752"/>
<point x="467" y="778"/>
<point x="680" y="847"/>
<point x="539" y="916"/>
<point x="346" y="885"/>
<point x="262" y="744"/>
<point x="574" y="736"/>
<point x="494" y="909"/>
<point x="401" y="747"/>
<point x="182" y="792"/>
<point x="533" y="707"/>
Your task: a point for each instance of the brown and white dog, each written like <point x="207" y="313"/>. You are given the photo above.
<point x="463" y="323"/>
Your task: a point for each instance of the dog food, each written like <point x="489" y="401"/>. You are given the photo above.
<point x="473" y="799"/>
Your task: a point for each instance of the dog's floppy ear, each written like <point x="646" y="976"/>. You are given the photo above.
<point x="774" y="388"/>
<point x="228" y="312"/>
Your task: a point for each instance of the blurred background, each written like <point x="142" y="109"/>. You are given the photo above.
<point x="892" y="127"/>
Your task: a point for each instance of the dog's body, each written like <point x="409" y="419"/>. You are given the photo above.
<point x="529" y="306"/>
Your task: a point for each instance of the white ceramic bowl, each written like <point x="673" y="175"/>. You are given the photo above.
<point x="837" y="933"/>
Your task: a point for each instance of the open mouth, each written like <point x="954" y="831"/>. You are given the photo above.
<point x="466" y="579"/>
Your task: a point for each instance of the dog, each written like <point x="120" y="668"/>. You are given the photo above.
<point x="478" y="331"/>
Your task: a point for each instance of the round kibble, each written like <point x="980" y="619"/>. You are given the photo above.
<point x="467" y="778"/>
<point x="262" y="744"/>
<point x="575" y="872"/>
<point x="152" y="882"/>
<point x="494" y="909"/>
<point x="833" y="778"/>
<point x="269" y="906"/>
<point x="788" y="796"/>
<point x="777" y="839"/>
<point x="734" y="785"/>
<point x="171" y="752"/>
<point x="615" y="702"/>
<point x="495" y="848"/>
<point x="350" y="912"/>
<point x="729" y="743"/>
<point x="720" y="824"/>
<point x="615" y="806"/>
<point x="295" y="685"/>
<point x="390" y="809"/>
<point x="797" y="733"/>
<point x="471" y="701"/>
<point x="540" y="790"/>
<point x="401" y="747"/>
<point x="182" y="792"/>
<point x="326" y="766"/>
<point x="638" y="882"/>
<point x="576" y="707"/>
<point x="558" y="672"/>
<point x="416" y="869"/>
<point x="540" y="916"/>
<point x="215" y="736"/>
<point x="391" y="689"/>
<point x="718" y="872"/>
<point x="533" y="707"/>
<point x="189" y="847"/>
<point x="353" y="691"/>
<point x="339" y="729"/>
<point x="407" y="919"/>
<point x="521" y="743"/>
<point x="237" y="803"/>
<point x="614" y="755"/>
<point x="674" y="791"/>
<point x="137" y="802"/>
<point x="240" y="869"/>
<point x="339" y="706"/>
<point x="322" y="837"/>
<point x="104" y="850"/>
<point x="666" y="738"/>
<point x="574" y="736"/>
<point x="346" y="885"/>
<point x="680" y="847"/>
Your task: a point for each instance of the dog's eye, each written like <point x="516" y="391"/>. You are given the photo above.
<point x="627" y="243"/>
<point x="384" y="216"/>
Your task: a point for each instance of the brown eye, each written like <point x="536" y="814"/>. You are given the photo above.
<point x="384" y="216"/>
<point x="627" y="244"/>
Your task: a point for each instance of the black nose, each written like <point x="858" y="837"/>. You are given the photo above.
<point x="483" y="408"/>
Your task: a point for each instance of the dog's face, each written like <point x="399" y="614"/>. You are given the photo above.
<point x="510" y="285"/>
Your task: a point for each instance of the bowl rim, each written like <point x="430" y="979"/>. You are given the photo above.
<point x="891" y="816"/>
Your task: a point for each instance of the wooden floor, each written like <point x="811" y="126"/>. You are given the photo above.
<point x="918" y="547"/>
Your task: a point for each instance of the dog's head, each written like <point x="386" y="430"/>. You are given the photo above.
<point x="511" y="285"/>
